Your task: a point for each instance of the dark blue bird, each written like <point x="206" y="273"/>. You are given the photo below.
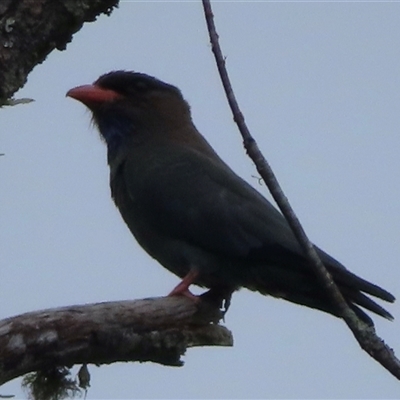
<point x="191" y="212"/>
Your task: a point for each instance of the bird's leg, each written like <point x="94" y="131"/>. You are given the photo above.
<point x="182" y="288"/>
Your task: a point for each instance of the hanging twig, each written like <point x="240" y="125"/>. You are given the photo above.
<point x="364" y="334"/>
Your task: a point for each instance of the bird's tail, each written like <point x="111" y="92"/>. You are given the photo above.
<point x="300" y="285"/>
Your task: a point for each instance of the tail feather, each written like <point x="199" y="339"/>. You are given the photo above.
<point x="362" y="315"/>
<point x="347" y="278"/>
<point x="363" y="301"/>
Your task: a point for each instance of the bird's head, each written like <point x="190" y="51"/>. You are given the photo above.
<point x="134" y="106"/>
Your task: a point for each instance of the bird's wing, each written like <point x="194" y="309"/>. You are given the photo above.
<point x="201" y="200"/>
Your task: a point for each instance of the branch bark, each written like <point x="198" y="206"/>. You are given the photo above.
<point x="31" y="29"/>
<point x="364" y="334"/>
<point x="156" y="329"/>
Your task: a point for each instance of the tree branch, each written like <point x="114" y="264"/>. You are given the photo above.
<point x="156" y="329"/>
<point x="365" y="335"/>
<point x="31" y="29"/>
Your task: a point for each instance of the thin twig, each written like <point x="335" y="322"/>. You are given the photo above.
<point x="364" y="334"/>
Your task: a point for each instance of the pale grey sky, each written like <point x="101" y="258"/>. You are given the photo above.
<point x="319" y="85"/>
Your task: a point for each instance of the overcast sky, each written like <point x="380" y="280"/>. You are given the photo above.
<point x="319" y="85"/>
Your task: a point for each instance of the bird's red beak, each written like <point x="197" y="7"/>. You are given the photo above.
<point x="92" y="94"/>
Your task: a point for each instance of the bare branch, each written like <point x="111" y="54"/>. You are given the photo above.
<point x="156" y="329"/>
<point x="365" y="335"/>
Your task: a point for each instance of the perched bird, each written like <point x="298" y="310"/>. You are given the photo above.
<point x="191" y="212"/>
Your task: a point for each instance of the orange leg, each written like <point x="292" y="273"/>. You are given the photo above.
<point x="182" y="288"/>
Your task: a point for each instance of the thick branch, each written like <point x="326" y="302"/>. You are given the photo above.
<point x="31" y="29"/>
<point x="365" y="335"/>
<point x="157" y="329"/>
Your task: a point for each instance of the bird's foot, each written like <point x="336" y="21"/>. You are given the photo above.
<point x="187" y="293"/>
<point x="182" y="289"/>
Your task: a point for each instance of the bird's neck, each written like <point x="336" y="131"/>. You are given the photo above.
<point x="124" y="135"/>
<point x="188" y="135"/>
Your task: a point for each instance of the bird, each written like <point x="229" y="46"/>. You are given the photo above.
<point x="188" y="209"/>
